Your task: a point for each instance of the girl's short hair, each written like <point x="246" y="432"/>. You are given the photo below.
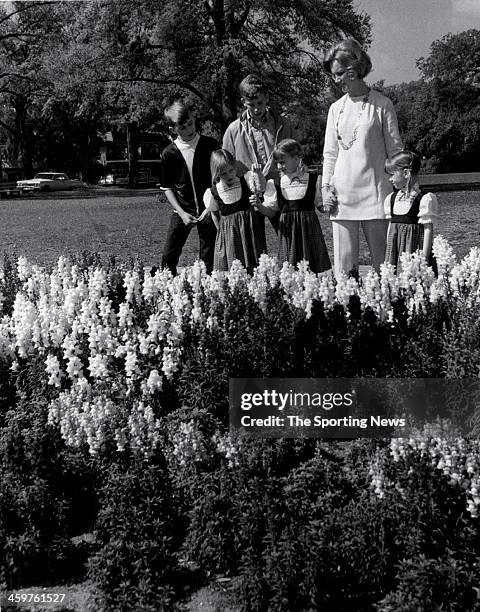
<point x="177" y="112"/>
<point x="220" y="160"/>
<point x="287" y="146"/>
<point x="349" y="54"/>
<point x="252" y="86"/>
<point x="405" y="160"/>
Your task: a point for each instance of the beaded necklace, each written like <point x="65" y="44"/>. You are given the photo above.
<point x="357" y="126"/>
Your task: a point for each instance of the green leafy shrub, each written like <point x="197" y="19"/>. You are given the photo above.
<point x="46" y="497"/>
<point x="325" y="544"/>
<point x="136" y="536"/>
<point x="449" y="582"/>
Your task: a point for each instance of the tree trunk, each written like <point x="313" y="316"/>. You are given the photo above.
<point x="24" y="140"/>
<point x="132" y="152"/>
<point x="229" y="89"/>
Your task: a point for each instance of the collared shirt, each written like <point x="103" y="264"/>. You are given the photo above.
<point x="428" y="210"/>
<point x="187" y="149"/>
<point x="262" y="134"/>
<point x="251" y="142"/>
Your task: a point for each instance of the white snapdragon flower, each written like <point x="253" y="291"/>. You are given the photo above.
<point x="52" y="367"/>
<point x="237" y="275"/>
<point x="74" y="367"/>
<point x="97" y="284"/>
<point x="98" y="366"/>
<point x="326" y="290"/>
<point x="446" y="258"/>
<point x="23" y="324"/>
<point x="170" y="359"/>
<point x="346" y="287"/>
<point x="131" y="363"/>
<point x="131" y="283"/>
<point x="143" y="429"/>
<point x="24" y="268"/>
<point x="188" y="444"/>
<point x="226" y="447"/>
<point x="154" y="381"/>
<point x="125" y="316"/>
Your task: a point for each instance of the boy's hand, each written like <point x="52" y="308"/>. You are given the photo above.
<point x="188" y="219"/>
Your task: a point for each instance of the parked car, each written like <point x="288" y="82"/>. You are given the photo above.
<point x="49" y="181"/>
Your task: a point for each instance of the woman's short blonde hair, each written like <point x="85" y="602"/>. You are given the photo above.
<point x="349" y="54"/>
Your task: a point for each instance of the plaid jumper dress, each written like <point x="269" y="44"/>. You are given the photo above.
<point x="241" y="232"/>
<point x="299" y="233"/>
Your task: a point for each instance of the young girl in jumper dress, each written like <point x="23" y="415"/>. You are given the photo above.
<point x="300" y="236"/>
<point x="240" y="226"/>
<point x="411" y="211"/>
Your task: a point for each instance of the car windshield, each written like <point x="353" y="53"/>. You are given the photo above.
<point x="44" y="175"/>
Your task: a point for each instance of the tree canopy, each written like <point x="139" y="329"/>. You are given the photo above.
<point x="439" y="115"/>
<point x="85" y="65"/>
<point x="71" y="70"/>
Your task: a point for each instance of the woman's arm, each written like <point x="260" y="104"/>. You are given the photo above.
<point x="330" y="148"/>
<point x="330" y="154"/>
<point x="391" y="134"/>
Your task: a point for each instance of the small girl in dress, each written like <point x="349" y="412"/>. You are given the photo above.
<point x="411" y="211"/>
<point x="240" y="226"/>
<point x="299" y="193"/>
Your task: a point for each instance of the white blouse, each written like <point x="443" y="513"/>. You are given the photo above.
<point x="357" y="174"/>
<point x="293" y="187"/>
<point x="428" y="210"/>
<point x="228" y="195"/>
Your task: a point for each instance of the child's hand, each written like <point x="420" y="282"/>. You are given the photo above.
<point x="253" y="200"/>
<point x="188" y="219"/>
<point x="258" y="179"/>
<point x="203" y="216"/>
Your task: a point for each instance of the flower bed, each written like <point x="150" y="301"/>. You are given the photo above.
<point x="118" y="378"/>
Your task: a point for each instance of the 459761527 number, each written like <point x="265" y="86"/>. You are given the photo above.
<point x="32" y="598"/>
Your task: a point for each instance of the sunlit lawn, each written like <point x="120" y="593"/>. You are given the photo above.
<point x="134" y="224"/>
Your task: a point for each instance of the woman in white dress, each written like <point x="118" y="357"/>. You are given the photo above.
<point x="361" y="133"/>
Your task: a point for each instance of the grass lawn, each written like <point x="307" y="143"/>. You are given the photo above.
<point x="134" y="224"/>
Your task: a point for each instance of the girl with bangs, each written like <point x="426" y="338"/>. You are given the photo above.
<point x="411" y="211"/>
<point x="235" y="211"/>
<point x="296" y="198"/>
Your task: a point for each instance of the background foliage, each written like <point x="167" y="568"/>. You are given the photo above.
<point x="71" y="70"/>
